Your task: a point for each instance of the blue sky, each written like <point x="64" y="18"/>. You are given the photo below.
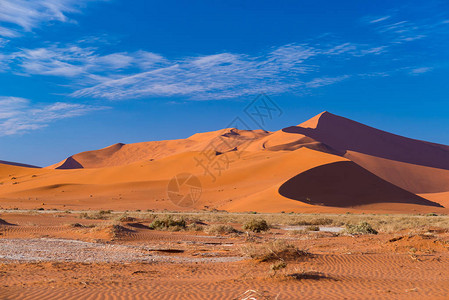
<point x="78" y="75"/>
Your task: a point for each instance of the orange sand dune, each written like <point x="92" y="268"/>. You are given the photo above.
<point x="326" y="163"/>
<point x="123" y="154"/>
<point x="347" y="135"/>
<point x="17" y="164"/>
<point x="414" y="178"/>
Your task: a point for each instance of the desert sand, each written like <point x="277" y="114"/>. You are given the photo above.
<point x="63" y="255"/>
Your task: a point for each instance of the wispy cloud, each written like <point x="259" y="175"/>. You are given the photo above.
<point x="18" y="16"/>
<point x="381" y="19"/>
<point x="421" y="70"/>
<point x="19" y="115"/>
<point x="400" y="30"/>
<point x="224" y="75"/>
<point x="138" y="74"/>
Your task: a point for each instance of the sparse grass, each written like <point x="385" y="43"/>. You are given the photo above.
<point x="361" y="228"/>
<point x="256" y="225"/>
<point x="221" y="229"/>
<point x="383" y="223"/>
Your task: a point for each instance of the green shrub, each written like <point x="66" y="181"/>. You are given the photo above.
<point x="256" y="225"/>
<point x="361" y="228"/>
<point x="168" y="223"/>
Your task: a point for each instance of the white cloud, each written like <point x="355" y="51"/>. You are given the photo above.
<point x="227" y="75"/>
<point x="77" y="62"/>
<point x="420" y="70"/>
<point x="377" y="20"/>
<point x="323" y="81"/>
<point x="19" y="115"/>
<point x="17" y="16"/>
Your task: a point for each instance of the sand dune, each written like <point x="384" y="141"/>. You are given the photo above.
<point x="17" y="164"/>
<point x="123" y="154"/>
<point x="327" y="163"/>
<point x="347" y="135"/>
<point x="414" y="178"/>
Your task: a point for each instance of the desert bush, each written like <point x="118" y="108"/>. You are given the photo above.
<point x="221" y="229"/>
<point x="278" y="265"/>
<point x="313" y="228"/>
<point x="100" y="215"/>
<point x="126" y="218"/>
<point x="275" y="251"/>
<point x="361" y="228"/>
<point x="168" y="223"/>
<point x="256" y="225"/>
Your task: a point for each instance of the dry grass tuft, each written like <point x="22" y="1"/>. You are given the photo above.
<point x="361" y="228"/>
<point x="221" y="229"/>
<point x="256" y="225"/>
<point x="275" y="251"/>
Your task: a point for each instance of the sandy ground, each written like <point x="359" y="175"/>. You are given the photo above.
<point x="61" y="256"/>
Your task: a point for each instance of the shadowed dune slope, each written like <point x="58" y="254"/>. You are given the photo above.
<point x="346" y="135"/>
<point x="345" y="184"/>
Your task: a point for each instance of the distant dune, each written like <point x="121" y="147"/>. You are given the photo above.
<point x="326" y="164"/>
<point x="17" y="164"/>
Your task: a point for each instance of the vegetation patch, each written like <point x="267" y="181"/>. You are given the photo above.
<point x="361" y="228"/>
<point x="168" y="223"/>
<point x="275" y="251"/>
<point x="221" y="229"/>
<point x="256" y="225"/>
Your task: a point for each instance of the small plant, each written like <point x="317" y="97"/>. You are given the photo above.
<point x="126" y="218"/>
<point x="256" y="225"/>
<point x="362" y="228"/>
<point x="431" y="215"/>
<point x="278" y="266"/>
<point x="313" y="228"/>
